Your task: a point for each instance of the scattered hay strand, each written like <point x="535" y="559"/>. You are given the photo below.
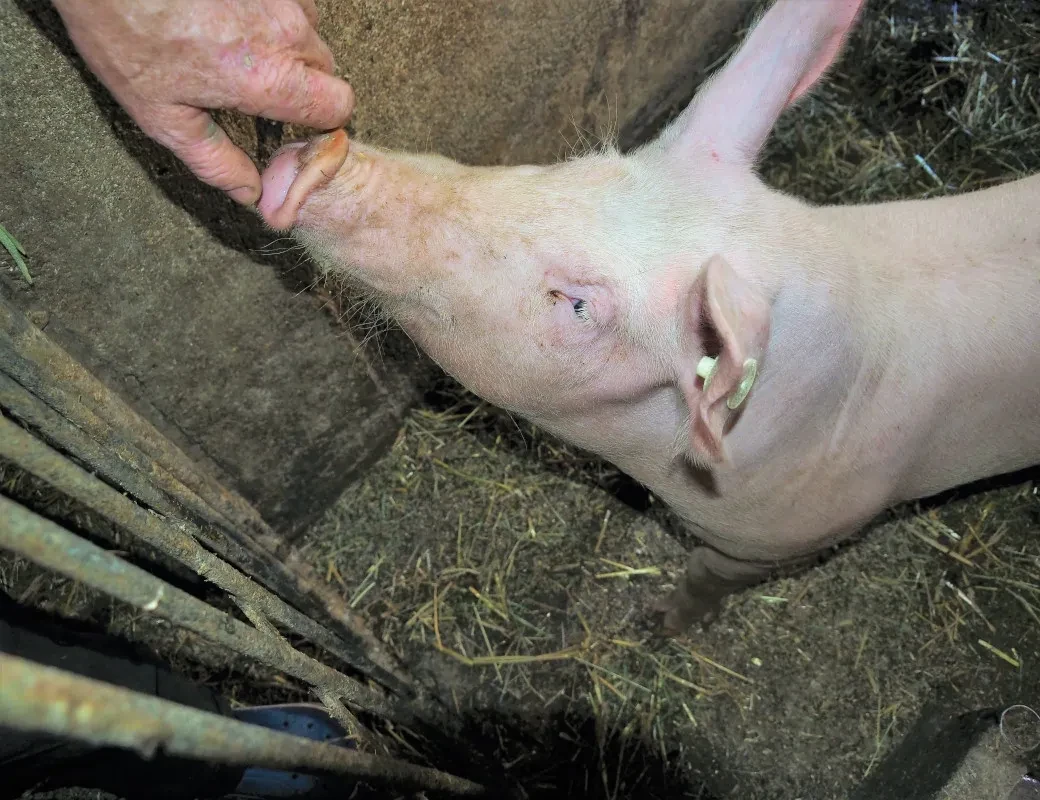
<point x="1012" y="660"/>
<point x="625" y="571"/>
<point x="947" y="551"/>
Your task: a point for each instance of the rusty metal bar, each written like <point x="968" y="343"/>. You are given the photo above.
<point x="175" y="538"/>
<point x="43" y="699"/>
<point x="44" y="368"/>
<point x="50" y="375"/>
<point x="49" y="545"/>
<point x="75" y="428"/>
<point x="130" y="471"/>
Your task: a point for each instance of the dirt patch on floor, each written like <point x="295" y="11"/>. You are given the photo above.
<point x="510" y="586"/>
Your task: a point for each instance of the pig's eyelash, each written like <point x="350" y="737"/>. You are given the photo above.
<point x="580" y="306"/>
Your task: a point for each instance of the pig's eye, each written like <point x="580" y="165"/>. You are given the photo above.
<point x="581" y="307"/>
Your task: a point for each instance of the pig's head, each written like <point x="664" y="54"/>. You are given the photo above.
<point x="587" y="289"/>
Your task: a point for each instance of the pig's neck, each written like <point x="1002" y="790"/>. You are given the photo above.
<point x="951" y="312"/>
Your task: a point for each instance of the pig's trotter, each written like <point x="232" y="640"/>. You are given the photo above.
<point x="680" y="609"/>
<point x="710" y="577"/>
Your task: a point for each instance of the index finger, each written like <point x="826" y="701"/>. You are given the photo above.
<point x="315" y="53"/>
<point x="310" y="11"/>
<point x="307" y="96"/>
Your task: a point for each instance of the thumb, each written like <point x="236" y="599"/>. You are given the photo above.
<point x="197" y="140"/>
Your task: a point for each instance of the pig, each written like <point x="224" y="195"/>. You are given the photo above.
<point x="777" y="373"/>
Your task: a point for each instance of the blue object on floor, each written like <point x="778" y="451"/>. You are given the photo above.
<point x="308" y="720"/>
<point x="1026" y="789"/>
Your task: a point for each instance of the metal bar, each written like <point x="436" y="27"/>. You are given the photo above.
<point x="43" y="699"/>
<point x="130" y="470"/>
<point x="53" y="375"/>
<point x="176" y="539"/>
<point x="35" y="362"/>
<point x="51" y="546"/>
<point x="123" y="465"/>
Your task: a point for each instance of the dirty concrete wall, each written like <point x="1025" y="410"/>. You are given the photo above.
<point x="187" y="307"/>
<point x="508" y="81"/>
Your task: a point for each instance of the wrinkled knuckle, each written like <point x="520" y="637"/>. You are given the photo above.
<point x="290" y="82"/>
<point x="277" y="78"/>
<point x="291" y="20"/>
<point x="264" y="78"/>
<point x="312" y="101"/>
<point x="210" y="164"/>
<point x="211" y="171"/>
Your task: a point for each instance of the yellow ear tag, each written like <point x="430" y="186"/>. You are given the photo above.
<point x="747" y="380"/>
<point x="708" y="366"/>
<point x="706" y="369"/>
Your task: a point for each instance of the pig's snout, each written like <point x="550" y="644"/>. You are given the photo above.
<point x="295" y="171"/>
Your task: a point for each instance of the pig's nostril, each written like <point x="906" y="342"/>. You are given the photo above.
<point x="277" y="180"/>
<point x="296" y="171"/>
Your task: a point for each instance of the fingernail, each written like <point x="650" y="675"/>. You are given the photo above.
<point x="246" y="195"/>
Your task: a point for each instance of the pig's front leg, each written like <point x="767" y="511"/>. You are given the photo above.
<point x="710" y="577"/>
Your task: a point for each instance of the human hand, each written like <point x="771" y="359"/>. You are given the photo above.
<point x="168" y="61"/>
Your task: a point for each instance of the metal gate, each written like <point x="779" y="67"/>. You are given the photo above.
<point x="62" y="425"/>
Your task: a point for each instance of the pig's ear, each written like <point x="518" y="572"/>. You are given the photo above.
<point x="795" y="42"/>
<point x="732" y="317"/>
